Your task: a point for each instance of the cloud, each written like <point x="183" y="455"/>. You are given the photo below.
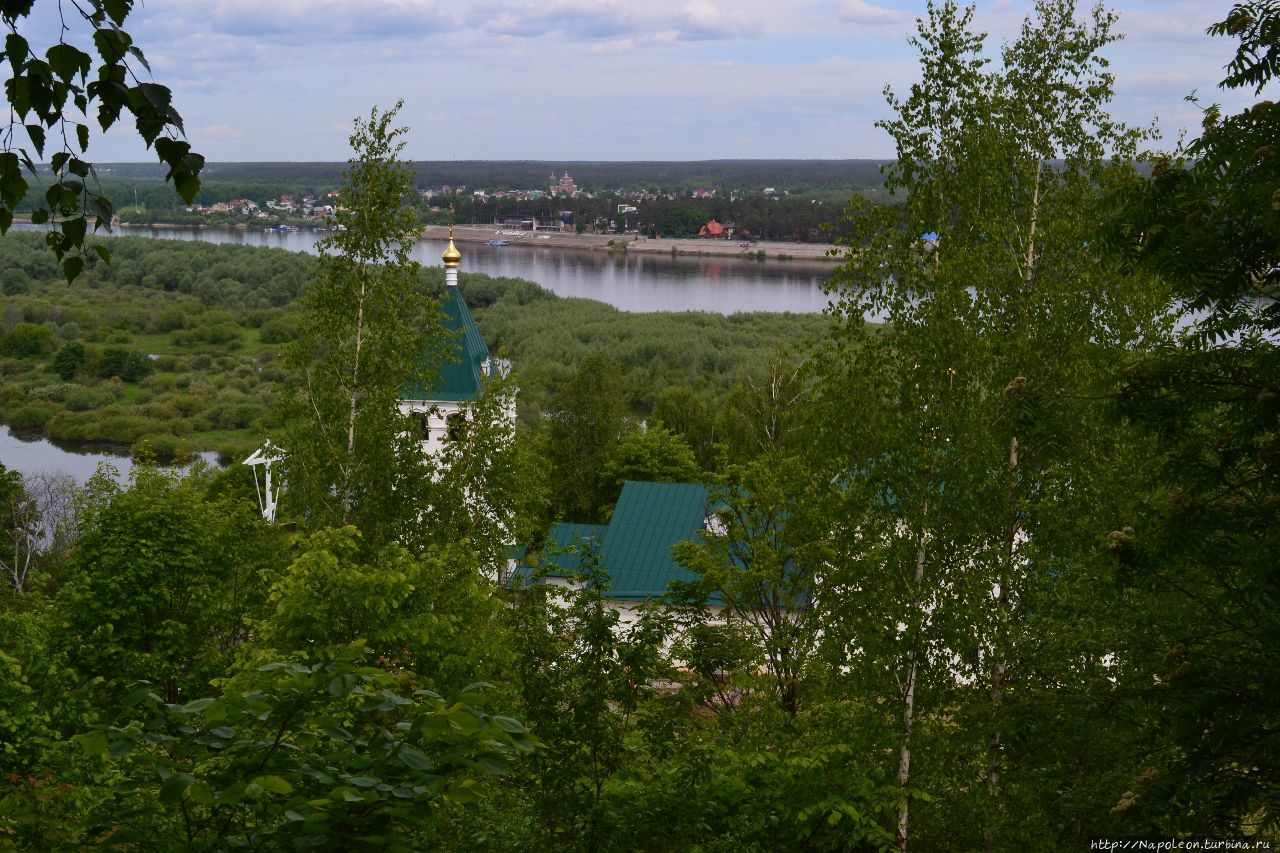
<point x="706" y="21"/>
<point x="215" y="131"/>
<point x="576" y="19"/>
<point x="623" y="25"/>
<point x="312" y="21"/>
<point x="870" y="15"/>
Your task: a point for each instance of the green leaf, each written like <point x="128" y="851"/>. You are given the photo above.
<point x="187" y="186"/>
<point x="508" y="725"/>
<point x="274" y="784"/>
<point x="343" y="684"/>
<point x="16" y="48"/>
<point x="36" y="132"/>
<point x="67" y="61"/>
<point x="82" y="136"/>
<point x="171" y="792"/>
<point x="112" y="45"/>
<point x="415" y="759"/>
<point x="200" y="793"/>
<point x="117" y="10"/>
<point x="71" y="267"/>
<point x="494" y="765"/>
<point x="18" y="91"/>
<point x="39" y="216"/>
<point x="93" y="743"/>
<point x="119" y="748"/>
<point x="73" y="231"/>
<point x="137" y="54"/>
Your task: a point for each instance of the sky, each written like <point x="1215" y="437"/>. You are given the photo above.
<point x="277" y="80"/>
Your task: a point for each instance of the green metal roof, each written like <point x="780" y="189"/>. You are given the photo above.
<point x="635" y="546"/>
<point x="648" y="520"/>
<point x="461" y="377"/>
<point x="562" y="553"/>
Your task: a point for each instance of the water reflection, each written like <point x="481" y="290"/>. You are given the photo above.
<point x="631" y="282"/>
<point x="32" y="454"/>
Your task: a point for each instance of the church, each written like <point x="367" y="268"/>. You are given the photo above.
<point x="441" y="409"/>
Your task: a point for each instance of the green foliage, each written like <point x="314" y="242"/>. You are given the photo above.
<point x="161" y="583"/>
<point x="326" y="755"/>
<point x="68" y="360"/>
<point x="27" y="340"/>
<point x="51" y="89"/>
<point x="763" y="561"/>
<point x="651" y="454"/>
<point x="681" y="410"/>
<point x="961" y="486"/>
<point x="418" y="613"/>
<point x="582" y="676"/>
<point x="587" y="417"/>
<point x="369" y="329"/>
<point x="547" y="337"/>
<point x="1202" y="546"/>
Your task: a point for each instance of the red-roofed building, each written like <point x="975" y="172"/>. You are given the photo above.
<point x="714" y="230"/>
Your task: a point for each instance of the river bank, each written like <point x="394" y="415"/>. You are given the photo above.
<point x="635" y="244"/>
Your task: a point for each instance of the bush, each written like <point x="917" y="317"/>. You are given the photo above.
<point x="161" y="447"/>
<point x="279" y="331"/>
<point x="126" y="364"/>
<point x="27" y="340"/>
<point x="52" y="393"/>
<point x="32" y="416"/>
<point x="68" y="360"/>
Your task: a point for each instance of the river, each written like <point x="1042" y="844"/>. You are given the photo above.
<point x="635" y="282"/>
<point x="34" y="454"/>
<point x="640" y="282"/>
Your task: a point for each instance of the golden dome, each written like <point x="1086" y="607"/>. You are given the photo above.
<point x="452" y="257"/>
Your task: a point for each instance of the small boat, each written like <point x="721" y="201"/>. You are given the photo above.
<point x="497" y="242"/>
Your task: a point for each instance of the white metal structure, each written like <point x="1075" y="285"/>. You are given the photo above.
<point x="266" y="456"/>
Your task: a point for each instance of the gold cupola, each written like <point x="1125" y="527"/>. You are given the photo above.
<point x="452" y="257"/>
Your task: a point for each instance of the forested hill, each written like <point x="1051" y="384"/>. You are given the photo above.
<point x="789" y="175"/>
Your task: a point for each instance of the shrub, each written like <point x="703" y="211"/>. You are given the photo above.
<point x="160" y="446"/>
<point x="279" y="331"/>
<point x="82" y="399"/>
<point x="68" y="360"/>
<point x="27" y="340"/>
<point x="32" y="416"/>
<point x="126" y="364"/>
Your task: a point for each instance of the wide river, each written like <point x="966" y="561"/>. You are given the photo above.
<point x="634" y="282"/>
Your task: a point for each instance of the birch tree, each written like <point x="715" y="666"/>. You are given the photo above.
<point x="964" y="423"/>
<point x="370" y="328"/>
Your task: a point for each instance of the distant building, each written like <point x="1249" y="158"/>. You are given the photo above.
<point x="564" y="186"/>
<point x="704" y="193"/>
<point x="714" y="230"/>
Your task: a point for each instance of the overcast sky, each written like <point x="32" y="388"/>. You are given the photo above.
<point x="598" y="79"/>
